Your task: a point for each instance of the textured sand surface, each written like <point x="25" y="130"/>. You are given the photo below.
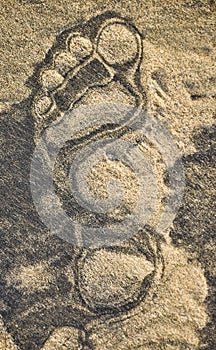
<point x="43" y="305"/>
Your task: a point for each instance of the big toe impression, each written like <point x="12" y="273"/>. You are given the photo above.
<point x="117" y="44"/>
